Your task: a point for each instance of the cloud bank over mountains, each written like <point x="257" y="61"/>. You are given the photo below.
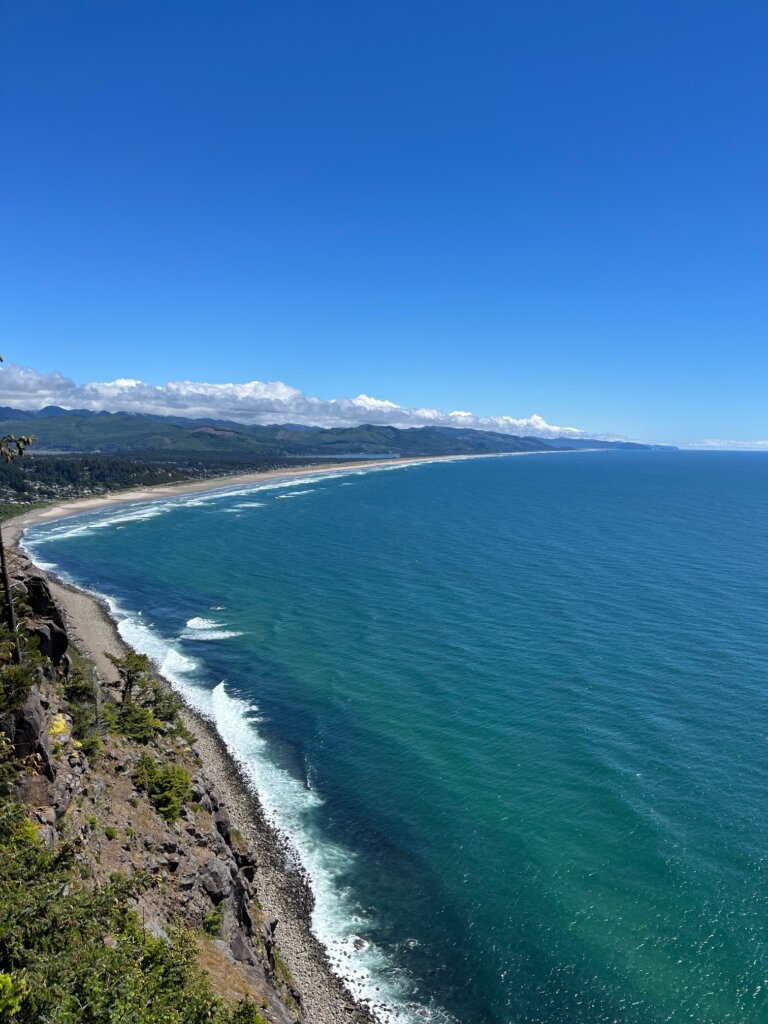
<point x="252" y="402"/>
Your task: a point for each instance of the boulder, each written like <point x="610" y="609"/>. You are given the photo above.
<point x="217" y="881"/>
<point x="41" y="600"/>
<point x="223" y="822"/>
<point x="241" y="949"/>
<point x="51" y="637"/>
<point x="26" y="728"/>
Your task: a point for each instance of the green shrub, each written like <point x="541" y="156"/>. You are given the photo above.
<point x="213" y="920"/>
<point x="245" y="1013"/>
<point x="148" y="710"/>
<point x="134" y="671"/>
<point x="281" y="968"/>
<point x="28" y="645"/>
<point x="110" y="832"/>
<point x="166" y="706"/>
<point x="168" y="786"/>
<point x="15" y="683"/>
<point x="91" y="746"/>
<point x="8" y="766"/>
<point x="78" y="689"/>
<point x="12" y="992"/>
<point x="80" y="693"/>
<point x="137" y="723"/>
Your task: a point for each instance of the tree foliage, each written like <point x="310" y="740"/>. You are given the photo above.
<point x="134" y="671"/>
<point x="167" y="785"/>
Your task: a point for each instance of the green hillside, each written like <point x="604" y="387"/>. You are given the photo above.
<point x="124" y="432"/>
<point x="79" y="431"/>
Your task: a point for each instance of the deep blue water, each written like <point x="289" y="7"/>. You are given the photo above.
<point x="512" y="711"/>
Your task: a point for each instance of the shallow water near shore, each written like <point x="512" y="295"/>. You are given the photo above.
<point x="511" y="713"/>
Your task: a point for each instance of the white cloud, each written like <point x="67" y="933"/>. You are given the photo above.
<point x="716" y="444"/>
<point x="252" y="402"/>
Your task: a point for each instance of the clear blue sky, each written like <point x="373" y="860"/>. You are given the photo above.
<point x="502" y="207"/>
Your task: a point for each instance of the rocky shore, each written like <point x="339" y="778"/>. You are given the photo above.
<point x="221" y="868"/>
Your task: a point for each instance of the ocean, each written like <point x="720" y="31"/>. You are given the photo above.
<point x="511" y="712"/>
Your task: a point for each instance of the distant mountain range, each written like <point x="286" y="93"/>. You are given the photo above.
<point x="80" y="430"/>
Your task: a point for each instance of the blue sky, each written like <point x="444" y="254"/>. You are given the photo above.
<point x="549" y="208"/>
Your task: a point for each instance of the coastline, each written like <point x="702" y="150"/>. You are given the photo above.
<point x="14" y="528"/>
<point x="284" y="891"/>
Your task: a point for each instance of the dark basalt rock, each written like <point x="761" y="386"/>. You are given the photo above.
<point x="49" y="836"/>
<point x="217" y="881"/>
<point x="223" y="822"/>
<point x="52" y="638"/>
<point x="26" y="729"/>
<point x="41" y="600"/>
<point x="64" y="790"/>
<point x="241" y="950"/>
<point x="201" y="797"/>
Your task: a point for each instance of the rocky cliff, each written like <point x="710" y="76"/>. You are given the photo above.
<point x="136" y="802"/>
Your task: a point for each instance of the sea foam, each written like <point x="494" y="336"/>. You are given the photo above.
<point x="289" y="804"/>
<point x="199" y="628"/>
<point x="337" y="920"/>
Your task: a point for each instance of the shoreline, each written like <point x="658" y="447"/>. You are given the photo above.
<point x="284" y="889"/>
<point x="14" y="528"/>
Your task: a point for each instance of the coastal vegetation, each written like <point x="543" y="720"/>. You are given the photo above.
<point x="145" y="708"/>
<point x="72" y="951"/>
<point x="167" y="785"/>
<point x="73" y="943"/>
<point x="46" y="477"/>
<point x="11" y="449"/>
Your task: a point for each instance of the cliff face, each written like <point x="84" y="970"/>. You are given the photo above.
<point x="103" y="798"/>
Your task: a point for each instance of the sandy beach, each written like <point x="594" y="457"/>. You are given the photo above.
<point x="14" y="528"/>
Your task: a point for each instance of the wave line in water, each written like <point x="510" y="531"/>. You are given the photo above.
<point x="289" y="805"/>
<point x="81" y="523"/>
<point x="210" y="634"/>
<point x="337" y="919"/>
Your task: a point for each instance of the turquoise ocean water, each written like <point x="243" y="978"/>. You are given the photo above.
<point x="512" y="713"/>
